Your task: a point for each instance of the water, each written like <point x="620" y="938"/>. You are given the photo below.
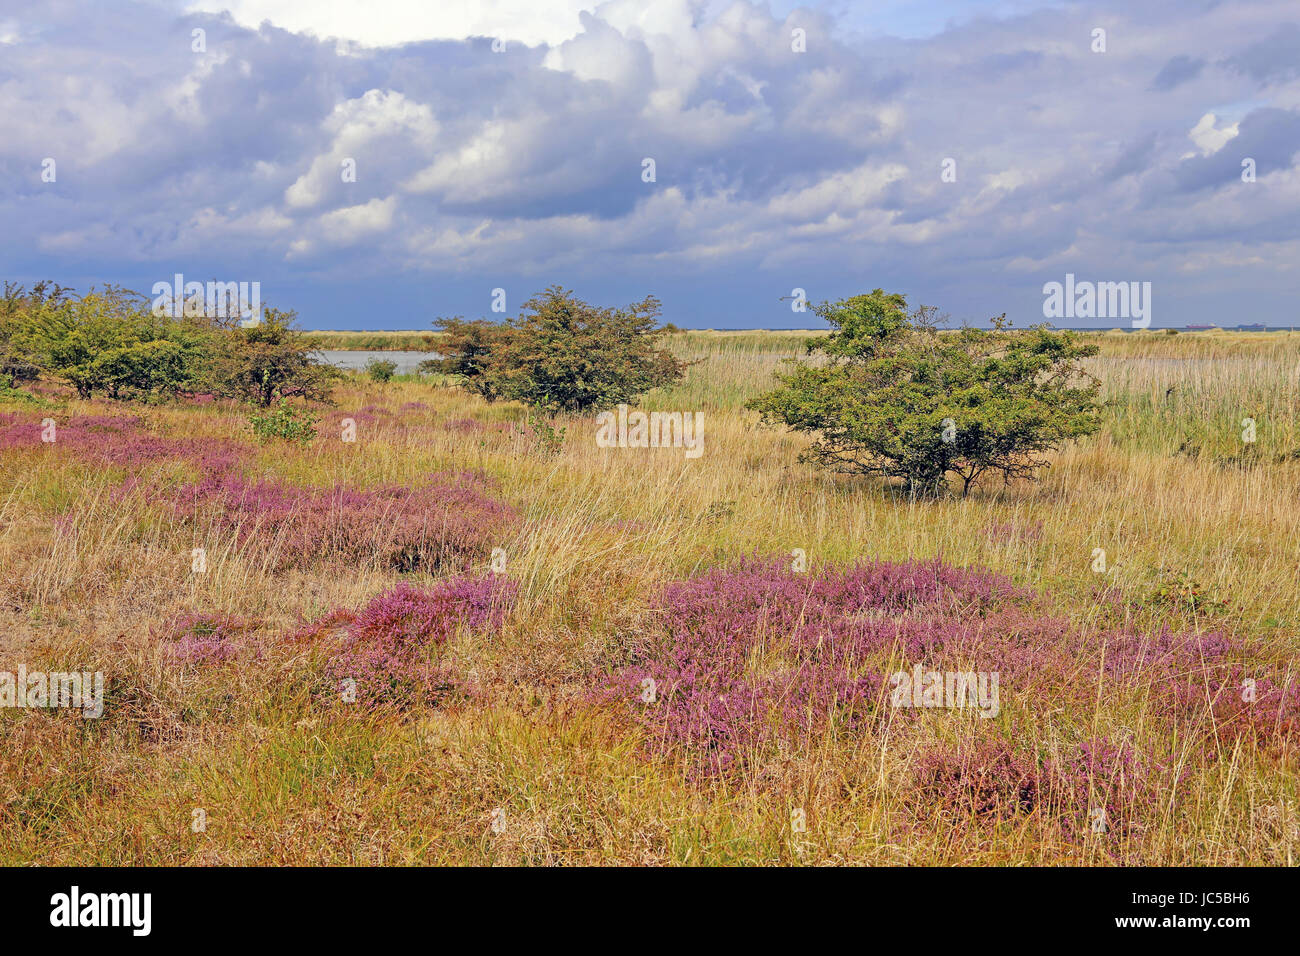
<point x="357" y="359"/>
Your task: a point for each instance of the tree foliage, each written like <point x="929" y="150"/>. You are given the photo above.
<point x="16" y="304"/>
<point x="892" y="395"/>
<point x="560" y="354"/>
<point x="108" y="341"/>
<point x="267" y="361"/>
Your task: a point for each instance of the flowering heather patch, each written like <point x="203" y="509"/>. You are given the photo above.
<point x="465" y="425"/>
<point x="1211" y="682"/>
<point x="390" y="647"/>
<point x="445" y="523"/>
<point x="118" y="440"/>
<point x="205" y="638"/>
<point x="758" y="654"/>
<point x="1163" y="657"/>
<point x="753" y="657"/>
<point x="1256" y="708"/>
<point x="988" y="780"/>
<point x="1099" y="786"/>
<point x="1107" y="787"/>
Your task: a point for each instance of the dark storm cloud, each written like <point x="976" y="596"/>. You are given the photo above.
<point x="770" y="164"/>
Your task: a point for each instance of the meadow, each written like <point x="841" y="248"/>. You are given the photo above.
<point x="556" y="653"/>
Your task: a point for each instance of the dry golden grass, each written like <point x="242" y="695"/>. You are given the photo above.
<point x="87" y="582"/>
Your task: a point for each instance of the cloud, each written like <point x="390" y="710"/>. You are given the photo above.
<point x="1177" y="71"/>
<point x="1208" y="137"/>
<point x="344" y="153"/>
<point x="392" y="22"/>
<point x="1274" y="58"/>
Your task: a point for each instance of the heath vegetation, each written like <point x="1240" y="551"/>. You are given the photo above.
<point x="365" y="618"/>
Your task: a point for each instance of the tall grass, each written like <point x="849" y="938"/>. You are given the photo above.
<point x="94" y="568"/>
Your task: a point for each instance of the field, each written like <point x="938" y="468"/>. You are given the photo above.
<point x="558" y="577"/>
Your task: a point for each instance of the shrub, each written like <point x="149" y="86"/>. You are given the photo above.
<point x="284" y="422"/>
<point x="445" y="523"/>
<point x="896" y="397"/>
<point x="465" y="348"/>
<point x="195" y="638"/>
<point x="108" y="342"/>
<point x="380" y="370"/>
<point x="546" y="438"/>
<point x="1180" y="591"/>
<point x="561" y="354"/>
<point x="390" y="648"/>
<point x="16" y="304"/>
<point x="268" y="361"/>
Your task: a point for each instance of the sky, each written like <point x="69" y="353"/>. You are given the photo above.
<point x="379" y="164"/>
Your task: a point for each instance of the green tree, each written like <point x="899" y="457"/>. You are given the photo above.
<point x="465" y="347"/>
<point x="107" y="342"/>
<point x="560" y="354"/>
<point x="16" y="304"/>
<point x="267" y="361"/>
<point x="894" y="396"/>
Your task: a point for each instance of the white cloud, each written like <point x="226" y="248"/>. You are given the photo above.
<point x="1209" y="138"/>
<point x="359" y="130"/>
<point x="392" y="22"/>
<point x="354" y="222"/>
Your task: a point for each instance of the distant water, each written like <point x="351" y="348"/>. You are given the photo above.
<point x="348" y="358"/>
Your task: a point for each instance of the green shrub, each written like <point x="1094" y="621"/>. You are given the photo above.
<point x="560" y="354"/>
<point x="268" y="361"/>
<point x="285" y="422"/>
<point x="108" y="342"/>
<point x="898" y="398"/>
<point x="546" y="438"/>
<point x="1178" y="590"/>
<point x="380" y="370"/>
<point x="16" y="305"/>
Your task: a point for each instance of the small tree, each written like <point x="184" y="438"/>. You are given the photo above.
<point x="107" y="341"/>
<point x="465" y="347"/>
<point x="561" y="354"/>
<point x="268" y="361"/>
<point x="897" y="397"/>
<point x="16" y="306"/>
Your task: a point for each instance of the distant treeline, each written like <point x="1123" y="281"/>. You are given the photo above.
<point x="398" y="340"/>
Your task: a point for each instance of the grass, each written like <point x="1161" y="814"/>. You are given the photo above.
<point x="93" y="572"/>
<point x="369" y="341"/>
